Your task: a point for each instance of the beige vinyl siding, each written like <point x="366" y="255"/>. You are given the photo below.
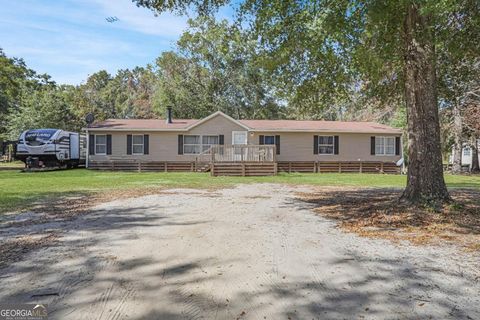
<point x="215" y="126"/>
<point x="298" y="146"/>
<point x="295" y="146"/>
<point x="164" y="145"/>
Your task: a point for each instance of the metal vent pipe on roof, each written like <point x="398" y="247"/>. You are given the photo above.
<point x="169" y="114"/>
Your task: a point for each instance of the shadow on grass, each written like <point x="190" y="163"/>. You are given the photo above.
<point x="378" y="213"/>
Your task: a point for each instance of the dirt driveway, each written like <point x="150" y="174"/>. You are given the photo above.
<point x="251" y="252"/>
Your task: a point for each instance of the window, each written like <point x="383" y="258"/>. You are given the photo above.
<point x="466" y="152"/>
<point x="269" y="140"/>
<point x="137" y="144"/>
<point x="384" y="146"/>
<point x="208" y="141"/>
<point x="325" y="145"/>
<point x="100" y="144"/>
<point x="191" y="144"/>
<point x="195" y="144"/>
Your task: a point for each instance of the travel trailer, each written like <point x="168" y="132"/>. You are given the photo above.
<point x="50" y="148"/>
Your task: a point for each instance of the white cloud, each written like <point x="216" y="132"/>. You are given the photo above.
<point x="71" y="39"/>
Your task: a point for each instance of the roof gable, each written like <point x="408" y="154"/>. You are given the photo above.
<point x="218" y="113"/>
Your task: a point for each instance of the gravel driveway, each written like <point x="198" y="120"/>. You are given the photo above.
<point x="251" y="252"/>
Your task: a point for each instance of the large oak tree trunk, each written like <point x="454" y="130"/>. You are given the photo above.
<point x="475" y="166"/>
<point x="457" y="136"/>
<point x="425" y="182"/>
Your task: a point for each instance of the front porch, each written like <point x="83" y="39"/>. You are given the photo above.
<point x="240" y="160"/>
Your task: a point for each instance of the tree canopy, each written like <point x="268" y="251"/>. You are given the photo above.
<point x="386" y="50"/>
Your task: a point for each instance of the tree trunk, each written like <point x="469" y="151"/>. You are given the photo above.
<point x="457" y="136"/>
<point x="425" y="182"/>
<point x="475" y="168"/>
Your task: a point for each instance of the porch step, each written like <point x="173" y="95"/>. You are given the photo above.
<point x="244" y="169"/>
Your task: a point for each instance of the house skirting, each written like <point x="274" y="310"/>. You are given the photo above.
<point x="244" y="169"/>
<point x="339" y="166"/>
<point x="249" y="168"/>
<point x="146" y="166"/>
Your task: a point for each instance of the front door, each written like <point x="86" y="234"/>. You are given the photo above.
<point x="239" y="139"/>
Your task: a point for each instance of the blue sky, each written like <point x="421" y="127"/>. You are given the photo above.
<point x="70" y="39"/>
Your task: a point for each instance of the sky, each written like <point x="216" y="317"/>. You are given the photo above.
<point x="71" y="39"/>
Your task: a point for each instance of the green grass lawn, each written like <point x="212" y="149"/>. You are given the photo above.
<point x="19" y="190"/>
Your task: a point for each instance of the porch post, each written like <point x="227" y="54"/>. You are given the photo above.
<point x="87" y="152"/>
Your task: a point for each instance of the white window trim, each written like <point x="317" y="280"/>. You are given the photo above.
<point x="326" y="145"/>
<point x="101" y="144"/>
<point x="385" y="154"/>
<point x="198" y="144"/>
<point x="243" y="133"/>
<point x="465" y="150"/>
<point x="137" y="144"/>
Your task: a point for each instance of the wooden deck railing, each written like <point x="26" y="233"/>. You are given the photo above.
<point x="242" y="153"/>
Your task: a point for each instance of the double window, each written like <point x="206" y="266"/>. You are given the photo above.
<point x="101" y="144"/>
<point x="137" y="144"/>
<point x="384" y="146"/>
<point x="195" y="144"/>
<point x="467" y="152"/>
<point x="326" y="145"/>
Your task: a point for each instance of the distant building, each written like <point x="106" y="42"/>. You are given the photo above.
<point x="467" y="154"/>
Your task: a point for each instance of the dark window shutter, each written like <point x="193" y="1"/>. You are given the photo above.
<point x="180" y="144"/>
<point x="129" y="144"/>
<point x="221" y="139"/>
<point x="336" y="145"/>
<point x="146" y="144"/>
<point x="277" y="144"/>
<point x="91" y="144"/>
<point x="372" y="146"/>
<point x="397" y="146"/>
<point x="315" y="144"/>
<point x="109" y="144"/>
<point x="261" y="140"/>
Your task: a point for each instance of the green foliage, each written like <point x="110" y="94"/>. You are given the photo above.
<point x="15" y="81"/>
<point x="48" y="107"/>
<point x="215" y="68"/>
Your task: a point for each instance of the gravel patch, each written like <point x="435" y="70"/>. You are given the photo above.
<point x="251" y="252"/>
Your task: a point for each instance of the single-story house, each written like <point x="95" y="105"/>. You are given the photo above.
<point x="199" y="144"/>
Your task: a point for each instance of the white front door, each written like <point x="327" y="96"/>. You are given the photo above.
<point x="239" y="138"/>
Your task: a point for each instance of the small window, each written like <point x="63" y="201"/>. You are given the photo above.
<point x="467" y="152"/>
<point x="269" y="140"/>
<point x="208" y="142"/>
<point x="137" y="144"/>
<point x="101" y="144"/>
<point x="384" y="146"/>
<point x="325" y="145"/>
<point x="191" y="144"/>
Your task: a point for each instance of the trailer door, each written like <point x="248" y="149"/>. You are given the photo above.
<point x="74" y="146"/>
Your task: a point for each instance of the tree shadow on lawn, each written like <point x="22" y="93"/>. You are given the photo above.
<point x="378" y="213"/>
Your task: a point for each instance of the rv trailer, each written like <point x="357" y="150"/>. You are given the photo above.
<point x="50" y="148"/>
